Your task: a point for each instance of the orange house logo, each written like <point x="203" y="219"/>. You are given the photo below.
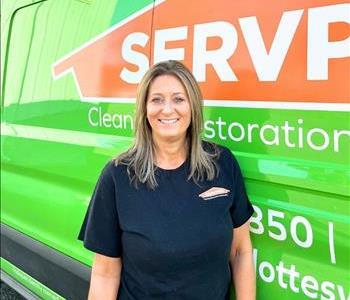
<point x="279" y="54"/>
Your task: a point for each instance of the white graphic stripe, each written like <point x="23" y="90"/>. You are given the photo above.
<point x="331" y="242"/>
<point x="244" y="104"/>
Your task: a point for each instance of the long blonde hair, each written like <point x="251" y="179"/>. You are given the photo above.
<point x="140" y="158"/>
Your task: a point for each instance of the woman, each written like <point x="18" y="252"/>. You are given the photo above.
<point x="169" y="217"/>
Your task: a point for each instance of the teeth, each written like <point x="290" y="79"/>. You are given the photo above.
<point x="168" y="121"/>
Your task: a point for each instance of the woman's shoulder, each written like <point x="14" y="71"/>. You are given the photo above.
<point x="224" y="156"/>
<point x="113" y="167"/>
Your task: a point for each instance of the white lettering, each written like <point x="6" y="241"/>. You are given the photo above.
<point x="117" y="121"/>
<point x="91" y="110"/>
<point x="309" y="285"/>
<point x="126" y="119"/>
<point x="97" y="117"/>
<point x="275" y="140"/>
<point x="293" y="274"/>
<point x="337" y="134"/>
<point x="257" y="221"/>
<point x="106" y="120"/>
<point x="166" y="35"/>
<point x="220" y="123"/>
<point x="327" y="289"/>
<point x="269" y="277"/>
<point x="301" y="133"/>
<point x="341" y="293"/>
<point x="281" y="271"/>
<point x="218" y="57"/>
<point x="208" y="127"/>
<point x="250" y="130"/>
<point x="308" y="229"/>
<point x="272" y="222"/>
<point x="286" y="128"/>
<point x="311" y="143"/>
<point x="134" y="57"/>
<point x="268" y="65"/>
<point x="319" y="49"/>
<point x="241" y="128"/>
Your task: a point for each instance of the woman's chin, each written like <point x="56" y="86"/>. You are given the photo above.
<point x="169" y="136"/>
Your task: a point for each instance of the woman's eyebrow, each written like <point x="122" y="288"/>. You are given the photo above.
<point x="160" y="94"/>
<point x="156" y="94"/>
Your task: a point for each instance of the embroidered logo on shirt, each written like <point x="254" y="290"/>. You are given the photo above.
<point x="214" y="192"/>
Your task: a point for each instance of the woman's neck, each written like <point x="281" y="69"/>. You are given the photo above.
<point x="170" y="154"/>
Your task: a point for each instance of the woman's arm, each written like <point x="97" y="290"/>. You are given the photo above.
<point x="105" y="277"/>
<point x="241" y="260"/>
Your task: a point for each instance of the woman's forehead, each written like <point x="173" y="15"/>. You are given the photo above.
<point x="166" y="84"/>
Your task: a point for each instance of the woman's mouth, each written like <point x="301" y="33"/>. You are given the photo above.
<point x="168" y="121"/>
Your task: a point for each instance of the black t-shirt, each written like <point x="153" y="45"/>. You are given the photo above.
<point x="175" y="240"/>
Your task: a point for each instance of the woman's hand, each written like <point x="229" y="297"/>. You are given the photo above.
<point x="105" y="277"/>
<point x="241" y="260"/>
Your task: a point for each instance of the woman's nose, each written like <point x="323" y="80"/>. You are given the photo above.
<point x="168" y="106"/>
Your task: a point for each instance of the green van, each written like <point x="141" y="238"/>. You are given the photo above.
<point x="275" y="79"/>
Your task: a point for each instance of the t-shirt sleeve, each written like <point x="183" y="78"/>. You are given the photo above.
<point x="241" y="209"/>
<point x="100" y="230"/>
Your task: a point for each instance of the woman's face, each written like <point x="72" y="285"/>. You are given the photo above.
<point x="168" y="109"/>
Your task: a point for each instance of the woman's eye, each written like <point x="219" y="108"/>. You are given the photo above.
<point x="156" y="100"/>
<point x="179" y="99"/>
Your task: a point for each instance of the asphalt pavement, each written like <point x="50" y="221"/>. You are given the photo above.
<point x="8" y="293"/>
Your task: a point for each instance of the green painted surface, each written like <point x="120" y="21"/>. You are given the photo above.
<point x="23" y="278"/>
<point x="53" y="142"/>
<point x="126" y="8"/>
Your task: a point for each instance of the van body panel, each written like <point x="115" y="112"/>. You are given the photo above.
<point x="66" y="110"/>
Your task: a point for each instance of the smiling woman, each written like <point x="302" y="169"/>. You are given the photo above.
<point x="168" y="110"/>
<point x="161" y="87"/>
<point x="169" y="217"/>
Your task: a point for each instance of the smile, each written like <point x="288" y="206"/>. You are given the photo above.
<point x="168" y="121"/>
